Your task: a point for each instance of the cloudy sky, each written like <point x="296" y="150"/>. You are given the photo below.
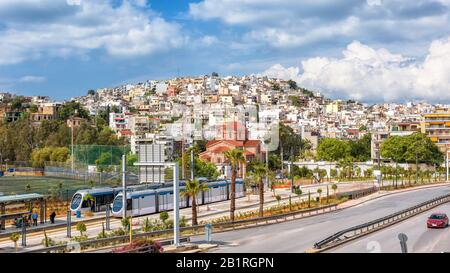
<point x="370" y="50"/>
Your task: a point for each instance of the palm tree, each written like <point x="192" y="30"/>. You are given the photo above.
<point x="249" y="182"/>
<point x="259" y="172"/>
<point x="192" y="190"/>
<point x="234" y="157"/>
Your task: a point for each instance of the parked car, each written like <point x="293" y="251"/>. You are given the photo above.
<point x="437" y="220"/>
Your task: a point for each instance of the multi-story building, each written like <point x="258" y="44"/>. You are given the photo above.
<point x="45" y="111"/>
<point x="118" y="121"/>
<point x="437" y="127"/>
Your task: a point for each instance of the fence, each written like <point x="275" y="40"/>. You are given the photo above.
<point x="81" y="172"/>
<point x="361" y="230"/>
<point x="100" y="154"/>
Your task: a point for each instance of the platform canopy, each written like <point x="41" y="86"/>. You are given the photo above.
<point x="20" y="198"/>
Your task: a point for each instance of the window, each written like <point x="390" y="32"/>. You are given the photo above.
<point x="117" y="205"/>
<point x="76" y="201"/>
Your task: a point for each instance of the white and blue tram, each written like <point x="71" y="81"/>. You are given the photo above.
<point x="158" y="200"/>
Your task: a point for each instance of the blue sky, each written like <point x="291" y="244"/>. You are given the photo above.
<point x="371" y="50"/>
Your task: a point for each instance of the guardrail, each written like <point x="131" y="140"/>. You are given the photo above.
<point x="361" y="230"/>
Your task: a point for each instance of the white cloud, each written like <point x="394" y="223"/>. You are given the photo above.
<point x="307" y="24"/>
<point x="126" y="30"/>
<point x="374" y="2"/>
<point x="32" y="79"/>
<point x="368" y="74"/>
<point x="279" y="72"/>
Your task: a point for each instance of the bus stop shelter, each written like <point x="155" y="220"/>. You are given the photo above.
<point x="28" y="199"/>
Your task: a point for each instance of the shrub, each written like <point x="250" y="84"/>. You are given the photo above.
<point x="164" y="216"/>
<point x="141" y="245"/>
<point x="118" y="232"/>
<point x="80" y="238"/>
<point x="125" y="223"/>
<point x="146" y="225"/>
<point x="168" y="224"/>
<point x="47" y="241"/>
<point x="183" y="221"/>
<point x="81" y="227"/>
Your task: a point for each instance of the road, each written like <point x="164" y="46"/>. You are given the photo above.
<point x="300" y="235"/>
<point x="209" y="212"/>
<point x="420" y="238"/>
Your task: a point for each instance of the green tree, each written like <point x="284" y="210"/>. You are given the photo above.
<point x="259" y="172"/>
<point x="360" y="149"/>
<point x="292" y="84"/>
<point x="331" y="149"/>
<point x="409" y="149"/>
<point x="73" y="108"/>
<point x="131" y="159"/>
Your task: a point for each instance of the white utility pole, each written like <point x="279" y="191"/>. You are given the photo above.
<point x="73" y="155"/>
<point x="176" y="206"/>
<point x="192" y="163"/>
<point x="446" y="164"/>
<point x="124" y="187"/>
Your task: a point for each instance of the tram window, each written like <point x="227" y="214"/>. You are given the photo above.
<point x="76" y="201"/>
<point x="129" y="204"/>
<point x="104" y="199"/>
<point x="117" y="205"/>
<point x="84" y="204"/>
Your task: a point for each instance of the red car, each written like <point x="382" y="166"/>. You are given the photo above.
<point x="437" y="220"/>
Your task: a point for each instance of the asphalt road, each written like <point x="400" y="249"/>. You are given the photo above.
<point x="300" y="235"/>
<point x="420" y="238"/>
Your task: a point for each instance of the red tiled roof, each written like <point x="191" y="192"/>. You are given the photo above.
<point x="252" y="143"/>
<point x="220" y="150"/>
<point x="211" y="142"/>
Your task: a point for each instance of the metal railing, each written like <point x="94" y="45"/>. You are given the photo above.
<point x="360" y="230"/>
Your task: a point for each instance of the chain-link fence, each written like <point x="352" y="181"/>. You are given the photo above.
<point x="100" y="154"/>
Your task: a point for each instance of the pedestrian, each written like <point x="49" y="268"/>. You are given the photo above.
<point x="34" y="216"/>
<point x="52" y="217"/>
